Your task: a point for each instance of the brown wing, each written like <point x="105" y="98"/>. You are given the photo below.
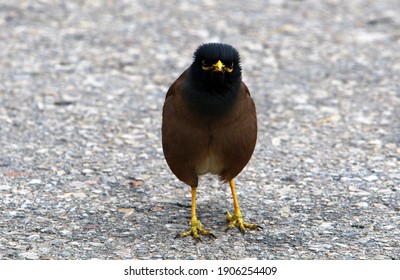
<point x="184" y="137"/>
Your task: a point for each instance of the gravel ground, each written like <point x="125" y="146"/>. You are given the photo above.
<point x="82" y="174"/>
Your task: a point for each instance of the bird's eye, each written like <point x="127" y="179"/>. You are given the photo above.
<point x="230" y="68"/>
<point x="205" y="66"/>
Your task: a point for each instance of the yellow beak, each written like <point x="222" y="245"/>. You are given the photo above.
<point x="218" y="67"/>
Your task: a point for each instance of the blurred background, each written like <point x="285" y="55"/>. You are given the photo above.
<point x="82" y="85"/>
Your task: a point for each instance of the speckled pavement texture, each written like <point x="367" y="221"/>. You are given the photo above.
<point x="82" y="174"/>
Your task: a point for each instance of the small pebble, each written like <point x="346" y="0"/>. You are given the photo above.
<point x="371" y="178"/>
<point x="29" y="256"/>
<point x="5" y="187"/>
<point x="35" y="182"/>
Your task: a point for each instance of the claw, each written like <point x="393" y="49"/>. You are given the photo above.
<point x="236" y="219"/>
<point x="195" y="230"/>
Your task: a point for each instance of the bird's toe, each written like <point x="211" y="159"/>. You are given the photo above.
<point x="237" y="220"/>
<point x="196" y="230"/>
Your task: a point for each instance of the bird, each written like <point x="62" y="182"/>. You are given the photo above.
<point x="209" y="125"/>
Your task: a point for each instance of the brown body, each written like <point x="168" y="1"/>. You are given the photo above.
<point x="194" y="145"/>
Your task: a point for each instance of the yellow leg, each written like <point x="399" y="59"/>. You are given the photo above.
<point x="196" y="227"/>
<point x="236" y="218"/>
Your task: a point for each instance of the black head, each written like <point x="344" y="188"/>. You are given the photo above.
<point x="214" y="79"/>
<point x="216" y="64"/>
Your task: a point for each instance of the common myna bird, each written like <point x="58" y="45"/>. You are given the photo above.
<point x="209" y="125"/>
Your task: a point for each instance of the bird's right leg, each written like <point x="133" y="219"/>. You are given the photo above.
<point x="196" y="227"/>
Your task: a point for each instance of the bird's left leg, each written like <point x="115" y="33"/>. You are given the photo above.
<point x="236" y="218"/>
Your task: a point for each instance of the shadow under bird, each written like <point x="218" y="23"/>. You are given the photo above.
<point x="209" y="125"/>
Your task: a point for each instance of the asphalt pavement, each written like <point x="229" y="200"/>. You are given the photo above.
<point x="82" y="173"/>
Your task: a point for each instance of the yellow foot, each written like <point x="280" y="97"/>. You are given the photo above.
<point x="195" y="230"/>
<point x="236" y="219"/>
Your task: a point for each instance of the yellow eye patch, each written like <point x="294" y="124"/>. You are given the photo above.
<point x="230" y="69"/>
<point x="205" y="66"/>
